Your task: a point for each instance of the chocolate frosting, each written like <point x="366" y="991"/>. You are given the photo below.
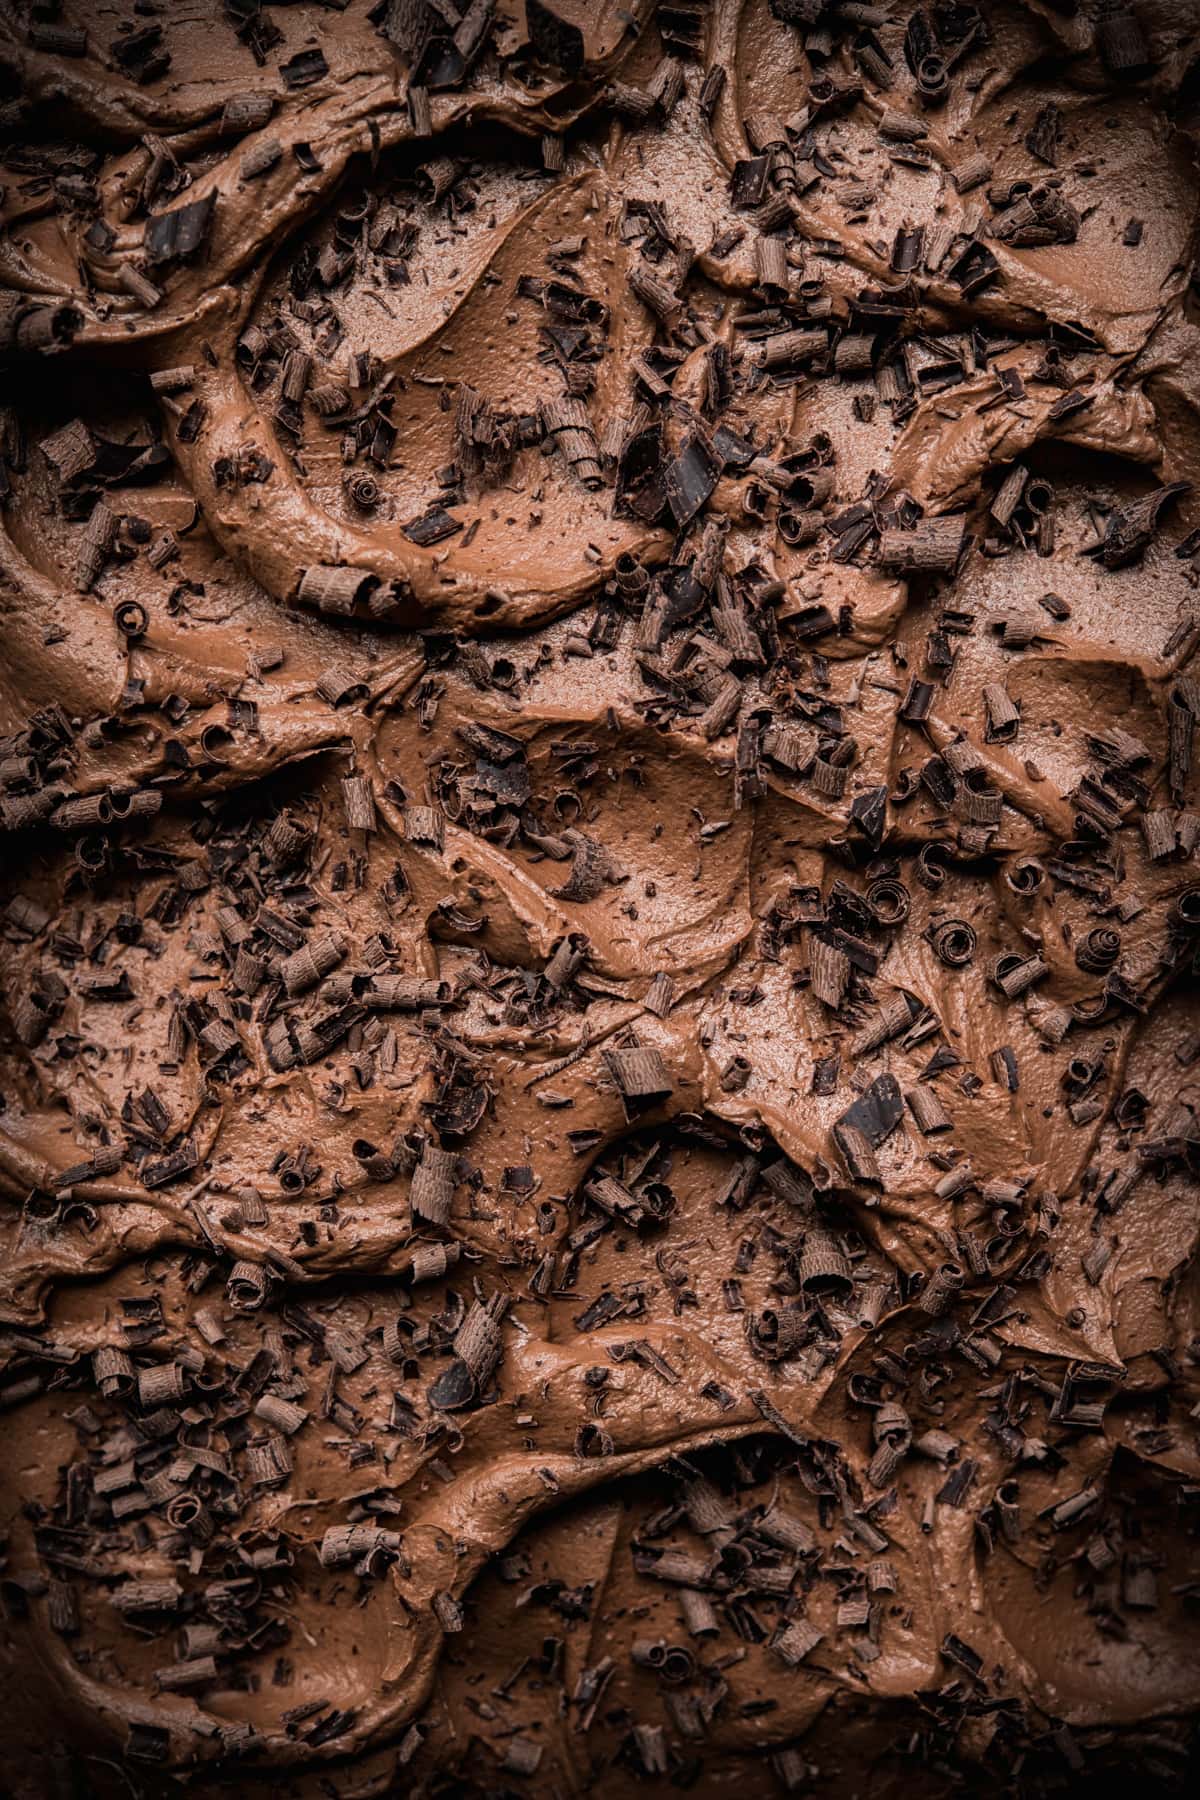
<point x="598" y="1132"/>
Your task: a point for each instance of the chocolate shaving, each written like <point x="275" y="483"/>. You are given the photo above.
<point x="552" y="39"/>
<point x="691" y="477"/>
<point x="172" y="236"/>
<point x="433" y="527"/>
<point x="1129" y="530"/>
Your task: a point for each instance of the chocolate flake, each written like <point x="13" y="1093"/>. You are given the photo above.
<point x="172" y="236"/>
<point x="433" y="527"/>
<point x="554" y="40"/>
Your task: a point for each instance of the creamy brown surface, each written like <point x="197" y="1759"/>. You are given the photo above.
<point x="802" y="1462"/>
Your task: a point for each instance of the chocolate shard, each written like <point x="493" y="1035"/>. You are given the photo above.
<point x="829" y="973"/>
<point x="640" y="486"/>
<point x="433" y="527"/>
<point x="34" y="326"/>
<point x="431" y="1192"/>
<point x="877" y="1112"/>
<point x="1042" y="215"/>
<point x="71" y="451"/>
<point x="935" y="545"/>
<point x="823" y="1268"/>
<point x="868" y="812"/>
<point x="58" y="40"/>
<point x="640" y="1075"/>
<point x="243" y="113"/>
<point x="690" y="477"/>
<point x="1042" y="139"/>
<point x="1129" y="530"/>
<point x="1122" y="42"/>
<point x="554" y="40"/>
<point x="796" y="1642"/>
<point x="370" y="1547"/>
<point x="171" y="236"/>
<point x="477" y="1348"/>
<point x="304" y="69"/>
<point x="748" y="185"/>
<point x="591" y="868"/>
<point x="895" y="1015"/>
<point x="336" y="589"/>
<point x="568" y="423"/>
